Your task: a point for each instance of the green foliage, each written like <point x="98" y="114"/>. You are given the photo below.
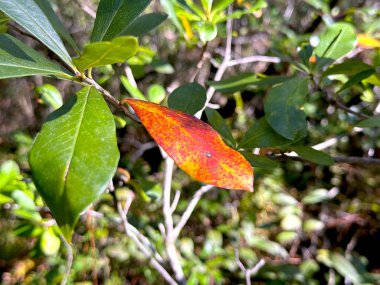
<point x="217" y="122"/>
<point x="189" y="98"/>
<point x="103" y="53"/>
<point x="144" y="24"/>
<point x="29" y="15"/>
<point x="83" y="125"/>
<point x="50" y="95"/>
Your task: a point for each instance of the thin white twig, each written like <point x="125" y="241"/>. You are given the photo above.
<point x="69" y="261"/>
<point x="190" y="208"/>
<point x="248" y="272"/>
<point x="129" y="74"/>
<point x="174" y="205"/>
<point x="254" y="58"/>
<point x="141" y="246"/>
<point x="170" y="247"/>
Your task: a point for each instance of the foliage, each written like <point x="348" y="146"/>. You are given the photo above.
<point x="294" y="105"/>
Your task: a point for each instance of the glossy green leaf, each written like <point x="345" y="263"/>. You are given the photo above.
<point x="49" y="243"/>
<point x="144" y="24"/>
<point x="17" y="60"/>
<point x="9" y="171"/>
<point x="345" y="268"/>
<point x="220" y="5"/>
<point x="261" y="134"/>
<point x="50" y="95"/>
<point x="372" y="122"/>
<point x="114" y="16"/>
<point x="23" y="200"/>
<point x="218" y="123"/>
<point x="282" y="108"/>
<point x="46" y="7"/>
<point x="313" y="155"/>
<point x="29" y="15"/>
<point x="189" y="98"/>
<point x="207" y="31"/>
<point x="103" y="53"/>
<point x="338" y="40"/>
<point x="260" y="161"/>
<point x="75" y="156"/>
<point x="133" y="90"/>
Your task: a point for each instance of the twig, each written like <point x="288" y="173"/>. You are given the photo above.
<point x="248" y="272"/>
<point x="170" y="239"/>
<point x="204" y="56"/>
<point x="175" y="201"/>
<point x="88" y="10"/>
<point x="190" y="208"/>
<point x="337" y="159"/>
<point x="254" y="58"/>
<point x="69" y="260"/>
<point x="112" y="100"/>
<point x="153" y="261"/>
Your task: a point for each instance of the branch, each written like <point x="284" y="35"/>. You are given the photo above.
<point x="69" y="261"/>
<point x="170" y="247"/>
<point x="248" y="272"/>
<point x="254" y="58"/>
<point x="190" y="208"/>
<point x="131" y="233"/>
<point x="337" y="159"/>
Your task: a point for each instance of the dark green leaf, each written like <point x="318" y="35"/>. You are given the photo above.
<point x="338" y="40"/>
<point x="103" y="53"/>
<point x="218" y="123"/>
<point x="282" y="108"/>
<point x="349" y="67"/>
<point x="313" y="155"/>
<point x="45" y="6"/>
<point x="189" y="98"/>
<point x="17" y="60"/>
<point x="260" y="161"/>
<point x="305" y="54"/>
<point x="144" y="24"/>
<point x="372" y="122"/>
<point x="244" y="81"/>
<point x="75" y="156"/>
<point x="28" y="15"/>
<point x="357" y="78"/>
<point x="114" y="16"/>
<point x="260" y="134"/>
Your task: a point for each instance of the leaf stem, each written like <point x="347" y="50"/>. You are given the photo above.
<point x="69" y="260"/>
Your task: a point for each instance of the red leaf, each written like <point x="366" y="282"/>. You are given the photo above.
<point x="195" y="147"/>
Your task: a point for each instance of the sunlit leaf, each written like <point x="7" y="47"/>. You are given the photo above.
<point x="103" y="53"/>
<point x="75" y="156"/>
<point x="50" y="95"/>
<point x="29" y="15"/>
<point x="368" y="42"/>
<point x="196" y="147"/>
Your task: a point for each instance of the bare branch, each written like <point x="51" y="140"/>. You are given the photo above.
<point x="175" y="201"/>
<point x="248" y="272"/>
<point x="190" y="208"/>
<point x="254" y="58"/>
<point x="337" y="159"/>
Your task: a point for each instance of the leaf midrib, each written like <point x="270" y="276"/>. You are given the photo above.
<point x="67" y="171"/>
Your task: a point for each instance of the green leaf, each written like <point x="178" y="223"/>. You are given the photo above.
<point x="46" y="7"/>
<point x="345" y="268"/>
<point x="9" y="171"/>
<point x="245" y="81"/>
<point x="189" y="98"/>
<point x="349" y="67"/>
<point x="156" y="93"/>
<point x="218" y="123"/>
<point x="144" y="24"/>
<point x="357" y="78"/>
<point x="50" y="95"/>
<point x="268" y="246"/>
<point x="313" y="155"/>
<point x="133" y="90"/>
<point x="114" y="16"/>
<point x="338" y="40"/>
<point x="103" y="53"/>
<point x="260" y="161"/>
<point x="17" y="60"/>
<point x="282" y="108"/>
<point x="49" y="243"/>
<point x="23" y="200"/>
<point x="207" y="31"/>
<point x="372" y="122"/>
<point x="317" y="196"/>
<point x="261" y="134"/>
<point x="28" y="15"/>
<point x="75" y="156"/>
<point x="220" y="5"/>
